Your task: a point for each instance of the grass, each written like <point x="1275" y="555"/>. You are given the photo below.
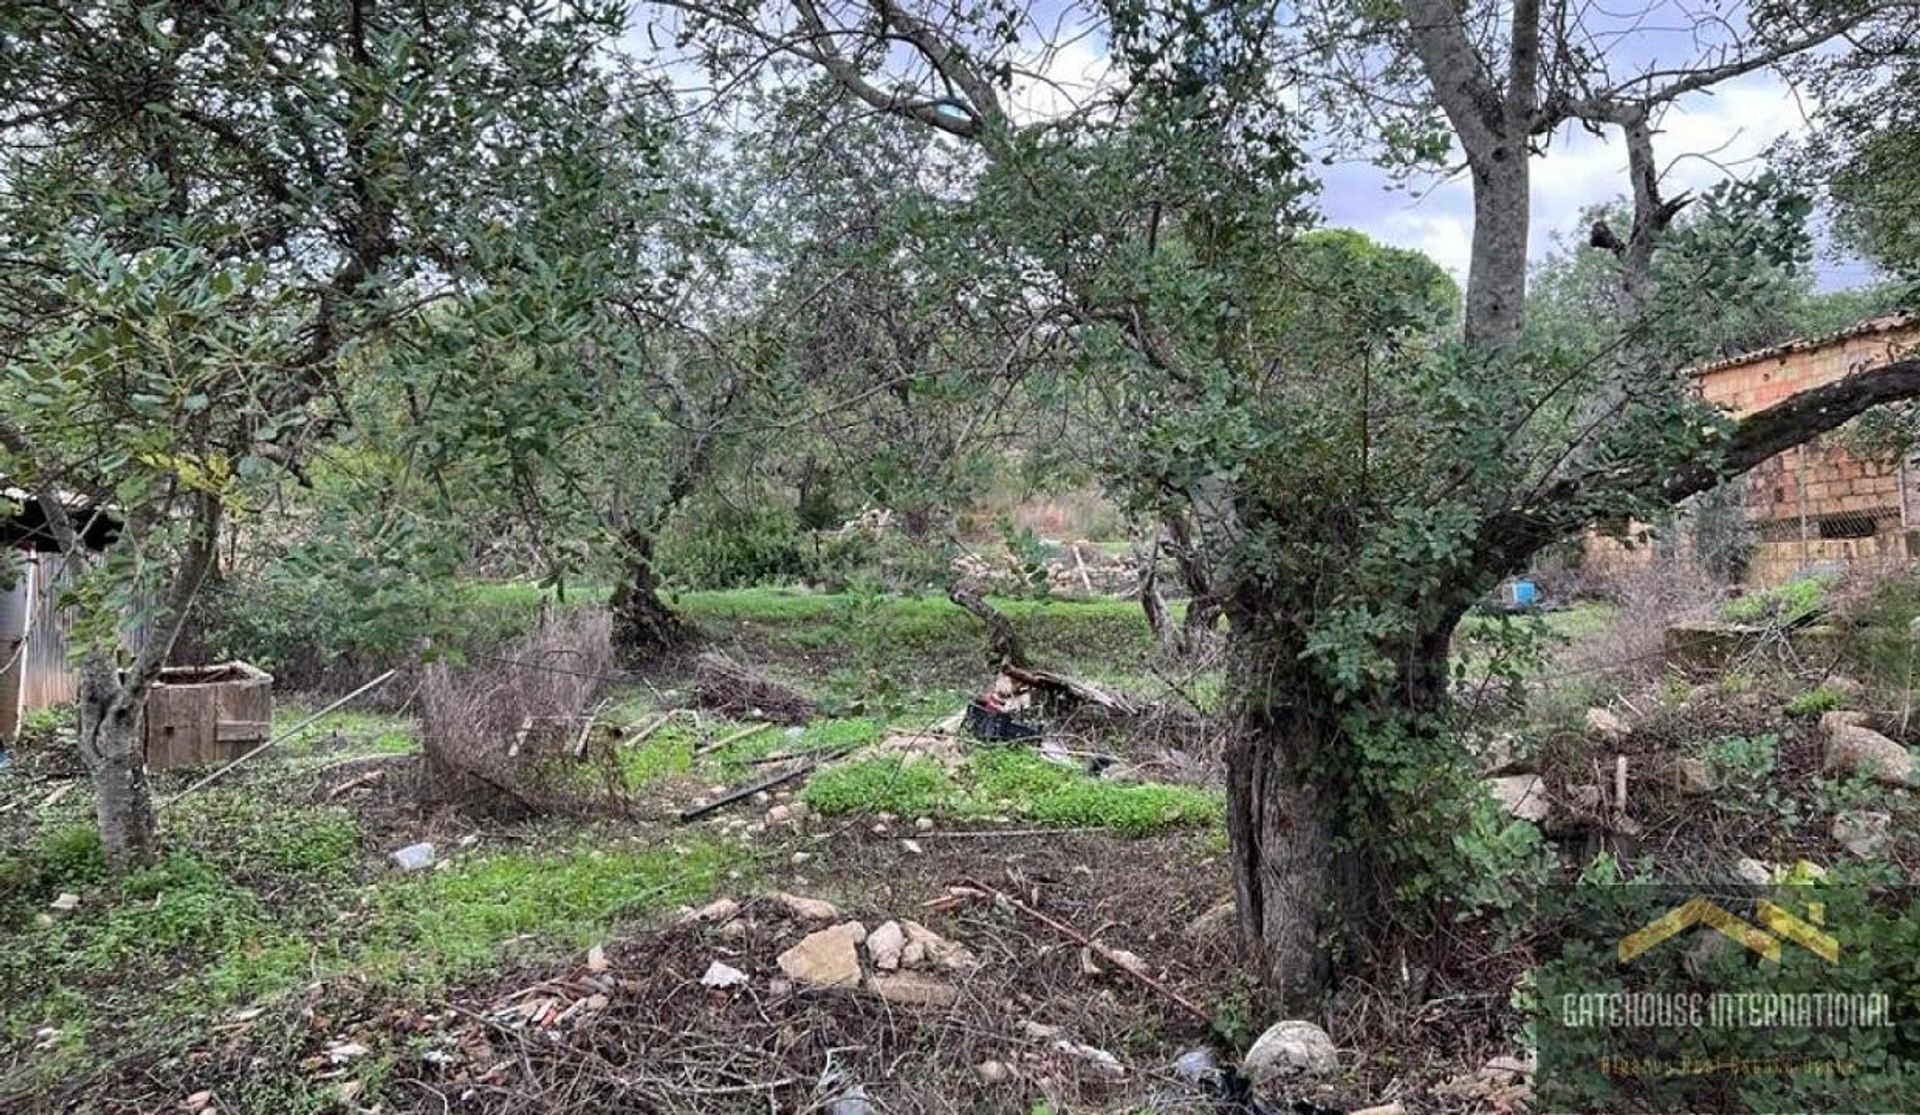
<point x="256" y="898"/>
<point x="368" y="733"/>
<point x="1012" y="782"/>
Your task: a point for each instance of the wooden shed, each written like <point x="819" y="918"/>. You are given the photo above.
<point x="202" y="715"/>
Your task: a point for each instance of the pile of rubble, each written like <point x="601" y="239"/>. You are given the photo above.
<point x="901" y="961"/>
<point x="1084" y="569"/>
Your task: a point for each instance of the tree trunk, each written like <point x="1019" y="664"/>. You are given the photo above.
<point x="1497" y="276"/>
<point x="111" y="746"/>
<point x="642" y="622"/>
<point x="1293" y="800"/>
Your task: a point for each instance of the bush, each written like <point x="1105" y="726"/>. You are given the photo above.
<point x="727" y="546"/>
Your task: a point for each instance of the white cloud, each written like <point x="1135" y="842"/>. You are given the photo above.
<point x="1702" y="140"/>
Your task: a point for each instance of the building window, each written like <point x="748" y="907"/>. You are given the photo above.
<point x="1858" y="524"/>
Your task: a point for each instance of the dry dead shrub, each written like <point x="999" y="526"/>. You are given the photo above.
<point x="1627" y="654"/>
<point x="500" y="736"/>
<point x="728" y="687"/>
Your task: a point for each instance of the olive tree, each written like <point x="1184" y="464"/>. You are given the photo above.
<point x="211" y="215"/>
<point x="1354" y="507"/>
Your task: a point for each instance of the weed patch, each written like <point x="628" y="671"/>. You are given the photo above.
<point x="1009" y="781"/>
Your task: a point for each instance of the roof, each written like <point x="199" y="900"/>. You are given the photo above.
<point x="1885" y="323"/>
<point x="26" y="527"/>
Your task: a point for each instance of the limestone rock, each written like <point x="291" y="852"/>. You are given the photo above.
<point x="827" y="958"/>
<point x="1213" y="923"/>
<point x="914" y="989"/>
<point x="1752" y="871"/>
<point x="1862" y="832"/>
<point x="994" y="1072"/>
<point x="1691" y="776"/>
<point x="807" y="909"/>
<point x="1852" y="749"/>
<point x="719" y="910"/>
<point x="722" y="975"/>
<point x="933" y="949"/>
<point x="1607" y="726"/>
<point x="1521" y="795"/>
<point x="779" y="815"/>
<point x="885" y="944"/>
<point x="1291" y="1048"/>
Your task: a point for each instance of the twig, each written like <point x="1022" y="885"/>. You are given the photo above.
<point x="653" y="726"/>
<point x="586" y="729"/>
<point x="283" y="736"/>
<point x="752" y="788"/>
<point x="1105" y="953"/>
<point x="964" y="834"/>
<point x="372" y="776"/>
<point x="728" y="740"/>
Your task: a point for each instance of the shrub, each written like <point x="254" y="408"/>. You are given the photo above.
<point x="1813" y="702"/>
<point x="731" y="546"/>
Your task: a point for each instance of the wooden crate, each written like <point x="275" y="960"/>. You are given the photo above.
<point x="201" y="715"/>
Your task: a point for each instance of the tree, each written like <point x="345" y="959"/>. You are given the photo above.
<point x="212" y="215"/>
<point x="1353" y="509"/>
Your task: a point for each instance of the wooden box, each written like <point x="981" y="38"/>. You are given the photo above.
<point x="202" y="715"/>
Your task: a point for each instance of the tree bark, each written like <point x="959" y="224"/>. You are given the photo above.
<point x="110" y="745"/>
<point x="1305" y="869"/>
<point x="643" y="625"/>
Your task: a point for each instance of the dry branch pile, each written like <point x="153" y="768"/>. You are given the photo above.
<point x="726" y="686"/>
<point x="504" y="735"/>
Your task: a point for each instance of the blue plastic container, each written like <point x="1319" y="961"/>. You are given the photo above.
<point x="1525" y="594"/>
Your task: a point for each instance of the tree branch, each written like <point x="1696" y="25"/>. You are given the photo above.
<point x="1509" y="539"/>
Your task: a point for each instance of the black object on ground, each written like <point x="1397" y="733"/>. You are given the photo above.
<point x="997" y="724"/>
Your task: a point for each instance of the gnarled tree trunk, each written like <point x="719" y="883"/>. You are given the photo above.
<point x="642" y="623"/>
<point x="110" y="745"/>
<point x="1302" y="868"/>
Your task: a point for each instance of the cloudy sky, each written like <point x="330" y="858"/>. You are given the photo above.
<point x="1702" y="139"/>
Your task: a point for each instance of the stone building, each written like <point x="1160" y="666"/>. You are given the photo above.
<point x="1817" y="506"/>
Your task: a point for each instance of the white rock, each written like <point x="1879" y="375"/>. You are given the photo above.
<point x="414" y="857"/>
<point x="925" y="824"/>
<point x="936" y="949"/>
<point x="721" y="975"/>
<point x="994" y="1072"/>
<point x="1691" y="776"/>
<point x="1752" y="871"/>
<point x="1522" y="795"/>
<point x="827" y="958"/>
<point x="1852" y="749"/>
<point x="807" y="909"/>
<point x="914" y="989"/>
<point x="1101" y="1061"/>
<point x="67" y="901"/>
<point x="911" y="847"/>
<point x="1288" y="1049"/>
<point x="1862" y="832"/>
<point x="1606" y="726"/>
<point x="720" y="909"/>
<point x="885" y="944"/>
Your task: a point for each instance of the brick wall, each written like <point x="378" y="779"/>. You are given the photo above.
<point x="1817" y="504"/>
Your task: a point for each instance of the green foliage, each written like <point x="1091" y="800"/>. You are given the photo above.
<point x="1884" y="641"/>
<point x="455" y="922"/>
<point x="251" y="837"/>
<point x="727" y="544"/>
<point x="1012" y="781"/>
<point x="1787" y="605"/>
<point x="1744" y="761"/>
<point x="1029" y="556"/>
<point x="1813" y="702"/>
<point x="69" y="858"/>
<point x="908" y="787"/>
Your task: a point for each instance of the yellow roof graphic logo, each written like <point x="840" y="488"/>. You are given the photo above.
<point x="1780" y="924"/>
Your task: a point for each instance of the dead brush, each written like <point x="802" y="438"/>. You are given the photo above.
<point x="726" y="686"/>
<point x="506" y="734"/>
